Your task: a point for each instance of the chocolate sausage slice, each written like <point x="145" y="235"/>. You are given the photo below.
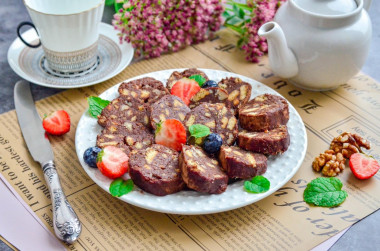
<point x="168" y="107"/>
<point x="270" y="142"/>
<point x="217" y="117"/>
<point x="239" y="92"/>
<point x="264" y="112"/>
<point x="155" y="170"/>
<point x="241" y="164"/>
<point x="144" y="90"/>
<point x="201" y="172"/>
<point x="210" y="95"/>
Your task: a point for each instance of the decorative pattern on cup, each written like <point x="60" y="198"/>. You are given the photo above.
<point x="75" y="61"/>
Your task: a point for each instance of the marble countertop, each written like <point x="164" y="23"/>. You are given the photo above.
<point x="364" y="235"/>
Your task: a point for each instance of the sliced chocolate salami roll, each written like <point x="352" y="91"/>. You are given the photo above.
<point x="270" y="142"/>
<point x="210" y="95"/>
<point x="241" y="164"/>
<point x="124" y="110"/>
<point x="168" y="107"/>
<point x="155" y="170"/>
<point x="217" y="117"/>
<point x="175" y="76"/>
<point x="264" y="112"/>
<point x="239" y="92"/>
<point x="200" y="172"/>
<point x="144" y="90"/>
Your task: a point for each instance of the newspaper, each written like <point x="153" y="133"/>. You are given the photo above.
<point x="281" y="221"/>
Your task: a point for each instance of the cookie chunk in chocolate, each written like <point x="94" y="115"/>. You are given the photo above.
<point x="144" y="90"/>
<point x="168" y="107"/>
<point x="124" y="110"/>
<point x="200" y="172"/>
<point x="241" y="164"/>
<point x="219" y="118"/>
<point x="156" y="170"/>
<point x="175" y="76"/>
<point x="270" y="142"/>
<point x="264" y="112"/>
<point x="239" y="92"/>
<point x="210" y="95"/>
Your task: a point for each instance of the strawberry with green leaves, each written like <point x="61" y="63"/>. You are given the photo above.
<point x="185" y="89"/>
<point x="112" y="162"/>
<point x="57" y="123"/>
<point x="171" y="133"/>
<point x="363" y="166"/>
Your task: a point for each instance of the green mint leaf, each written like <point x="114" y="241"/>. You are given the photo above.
<point x="258" y="184"/>
<point x="99" y="157"/>
<point x="199" y="131"/>
<point x="200" y="80"/>
<point x="120" y="187"/>
<point x="325" y="192"/>
<point x="96" y="105"/>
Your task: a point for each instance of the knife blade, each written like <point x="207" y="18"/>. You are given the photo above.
<point x="67" y="226"/>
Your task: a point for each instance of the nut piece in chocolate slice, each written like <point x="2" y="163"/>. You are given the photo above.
<point x="210" y="95"/>
<point x="270" y="142"/>
<point x="156" y="170"/>
<point x="168" y="107"/>
<point x="200" y="172"/>
<point x="122" y="109"/>
<point x="217" y="117"/>
<point x="133" y="134"/>
<point x="239" y="92"/>
<point x="264" y="112"/>
<point x="175" y="76"/>
<point x="241" y="164"/>
<point x="144" y="90"/>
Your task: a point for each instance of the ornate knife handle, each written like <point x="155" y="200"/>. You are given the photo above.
<point x="67" y="226"/>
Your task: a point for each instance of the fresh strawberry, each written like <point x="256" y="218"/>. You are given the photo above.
<point x="57" y="123"/>
<point x="363" y="166"/>
<point x="171" y="133"/>
<point x="112" y="162"/>
<point x="185" y="88"/>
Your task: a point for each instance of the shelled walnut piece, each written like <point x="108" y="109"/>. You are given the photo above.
<point x="348" y="144"/>
<point x="330" y="163"/>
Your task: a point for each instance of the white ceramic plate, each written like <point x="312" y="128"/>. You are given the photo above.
<point x="280" y="168"/>
<point x="28" y="63"/>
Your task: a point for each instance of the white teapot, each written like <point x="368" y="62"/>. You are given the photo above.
<point x="318" y="44"/>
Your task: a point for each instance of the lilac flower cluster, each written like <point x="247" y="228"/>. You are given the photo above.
<point x="255" y="46"/>
<point x="154" y="27"/>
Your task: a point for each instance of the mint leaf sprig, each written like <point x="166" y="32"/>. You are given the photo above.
<point x="96" y="105"/>
<point x="200" y="80"/>
<point x="325" y="192"/>
<point x="119" y="187"/>
<point x="258" y="184"/>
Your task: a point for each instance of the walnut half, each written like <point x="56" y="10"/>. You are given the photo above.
<point x="348" y="144"/>
<point x="330" y="163"/>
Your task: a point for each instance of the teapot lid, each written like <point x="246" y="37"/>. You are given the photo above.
<point x="327" y="7"/>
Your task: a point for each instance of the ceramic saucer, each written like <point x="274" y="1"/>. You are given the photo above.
<point x="30" y="63"/>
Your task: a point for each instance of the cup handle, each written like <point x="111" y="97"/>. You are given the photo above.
<point x="19" y="35"/>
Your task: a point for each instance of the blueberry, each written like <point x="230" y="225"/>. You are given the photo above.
<point x="90" y="155"/>
<point x="212" y="143"/>
<point x="209" y="83"/>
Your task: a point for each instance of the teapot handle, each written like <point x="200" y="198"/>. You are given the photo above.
<point x="367" y="4"/>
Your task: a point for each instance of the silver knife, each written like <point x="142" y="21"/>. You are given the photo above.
<point x="67" y="226"/>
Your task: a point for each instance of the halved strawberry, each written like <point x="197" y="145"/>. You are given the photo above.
<point x="185" y="88"/>
<point x="57" y="123"/>
<point x="112" y="162"/>
<point x="363" y="166"/>
<point x="171" y="133"/>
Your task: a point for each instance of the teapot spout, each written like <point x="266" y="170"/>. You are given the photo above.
<point x="281" y="58"/>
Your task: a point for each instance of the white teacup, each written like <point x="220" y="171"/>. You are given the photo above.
<point x="68" y="31"/>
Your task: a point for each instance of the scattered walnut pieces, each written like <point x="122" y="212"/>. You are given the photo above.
<point x="332" y="161"/>
<point x="348" y="144"/>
